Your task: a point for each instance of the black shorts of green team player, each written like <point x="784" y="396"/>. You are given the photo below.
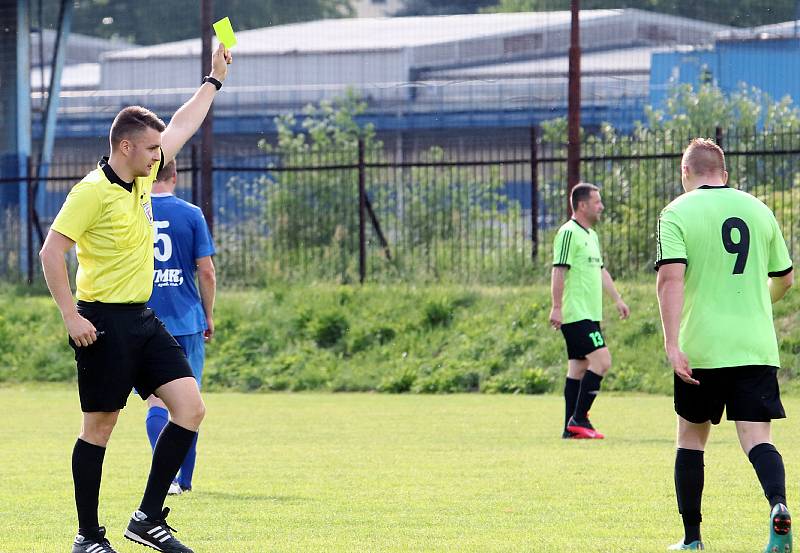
<point x="133" y="349"/>
<point x="582" y="338"/>
<point x="749" y="393"/>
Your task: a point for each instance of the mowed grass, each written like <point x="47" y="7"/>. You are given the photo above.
<point x="367" y="472"/>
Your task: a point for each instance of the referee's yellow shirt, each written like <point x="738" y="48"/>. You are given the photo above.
<point x="111" y="222"/>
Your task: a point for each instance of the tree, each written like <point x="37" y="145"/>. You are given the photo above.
<point x="155" y="21"/>
<point x="442" y="7"/>
<point x="438" y="218"/>
<point x="645" y="176"/>
<point x="743" y="13"/>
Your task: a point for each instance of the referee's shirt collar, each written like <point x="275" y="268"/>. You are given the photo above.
<point x="112" y="176"/>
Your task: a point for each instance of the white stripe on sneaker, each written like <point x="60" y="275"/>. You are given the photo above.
<point x="154" y="529"/>
<point x="134" y="537"/>
<point x="159" y="535"/>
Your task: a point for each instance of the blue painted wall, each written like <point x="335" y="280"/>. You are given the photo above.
<point x="773" y="65"/>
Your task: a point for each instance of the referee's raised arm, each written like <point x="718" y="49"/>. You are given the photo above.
<point x="190" y="116"/>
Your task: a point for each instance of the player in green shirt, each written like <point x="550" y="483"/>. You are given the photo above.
<point x="722" y="262"/>
<point x="577" y="284"/>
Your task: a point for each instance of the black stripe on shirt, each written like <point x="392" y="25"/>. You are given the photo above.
<point x="780" y="273"/>
<point x="565" y="247"/>
<point x="661" y="262"/>
<point x="660" y="254"/>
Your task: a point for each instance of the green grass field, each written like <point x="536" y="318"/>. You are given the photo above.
<point x="375" y="472"/>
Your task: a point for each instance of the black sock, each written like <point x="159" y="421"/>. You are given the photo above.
<point x="769" y="469"/>
<point x="590" y="386"/>
<point x="689" y="479"/>
<point x="571" y="388"/>
<point x="87" y="470"/>
<point x="169" y="453"/>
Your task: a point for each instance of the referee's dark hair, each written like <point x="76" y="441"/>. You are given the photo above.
<point x="581" y="193"/>
<point x="167" y="172"/>
<point x="132" y="120"/>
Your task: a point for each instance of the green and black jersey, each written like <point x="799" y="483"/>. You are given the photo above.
<point x="730" y="243"/>
<point x="578" y="249"/>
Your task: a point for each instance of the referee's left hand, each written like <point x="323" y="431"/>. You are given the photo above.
<point x="220" y="60"/>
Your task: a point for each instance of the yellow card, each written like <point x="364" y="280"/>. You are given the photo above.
<point x="224" y="32"/>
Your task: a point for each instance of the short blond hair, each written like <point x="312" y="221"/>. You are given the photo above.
<point x="704" y="157"/>
<point x="167" y="172"/>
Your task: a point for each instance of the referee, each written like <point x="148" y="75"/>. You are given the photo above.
<point x="119" y="344"/>
<point x="722" y="262"/>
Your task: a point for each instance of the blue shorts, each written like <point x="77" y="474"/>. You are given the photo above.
<point x="194" y="346"/>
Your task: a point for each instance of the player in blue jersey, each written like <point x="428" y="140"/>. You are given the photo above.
<point x="183" y="248"/>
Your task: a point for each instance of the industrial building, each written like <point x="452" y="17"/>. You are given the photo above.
<point x="447" y="74"/>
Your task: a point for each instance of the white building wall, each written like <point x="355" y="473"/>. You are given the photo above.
<point x="306" y="69"/>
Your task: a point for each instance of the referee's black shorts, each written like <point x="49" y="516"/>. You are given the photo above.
<point x="582" y="338"/>
<point x="133" y="349"/>
<point x="749" y="393"/>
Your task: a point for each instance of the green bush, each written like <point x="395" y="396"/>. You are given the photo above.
<point x="329" y="329"/>
<point x="460" y="377"/>
<point x="527" y="381"/>
<point x="438" y="313"/>
<point x="378" y="338"/>
<point x="399" y="382"/>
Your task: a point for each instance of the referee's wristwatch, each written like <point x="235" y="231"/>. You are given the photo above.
<point x="212" y="80"/>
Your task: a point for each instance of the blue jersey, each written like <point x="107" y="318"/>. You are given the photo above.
<point x="181" y="237"/>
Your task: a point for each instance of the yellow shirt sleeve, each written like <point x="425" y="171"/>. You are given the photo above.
<point x="80" y="211"/>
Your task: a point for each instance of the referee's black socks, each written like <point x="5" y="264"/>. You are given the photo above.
<point x="769" y="469"/>
<point x="170" y="451"/>
<point x="590" y="387"/>
<point x="689" y="481"/>
<point x="87" y="469"/>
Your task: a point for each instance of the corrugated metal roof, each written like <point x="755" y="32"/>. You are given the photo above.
<point x="628" y="60"/>
<point x="786" y="29"/>
<point x="80" y="48"/>
<point x="370" y="34"/>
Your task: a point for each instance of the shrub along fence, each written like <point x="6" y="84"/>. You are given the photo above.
<point x="482" y="212"/>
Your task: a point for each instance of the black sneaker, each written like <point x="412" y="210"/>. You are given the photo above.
<point x="154" y="533"/>
<point x="96" y="543"/>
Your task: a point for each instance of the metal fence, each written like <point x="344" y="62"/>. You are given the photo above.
<point x="476" y="211"/>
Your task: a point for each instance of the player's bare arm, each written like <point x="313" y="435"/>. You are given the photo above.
<point x="611" y="290"/>
<point x="190" y="116"/>
<point x="778" y="286"/>
<point x="207" y="284"/>
<point x="557" y="291"/>
<point x="82" y="332"/>
<point x="669" y="284"/>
